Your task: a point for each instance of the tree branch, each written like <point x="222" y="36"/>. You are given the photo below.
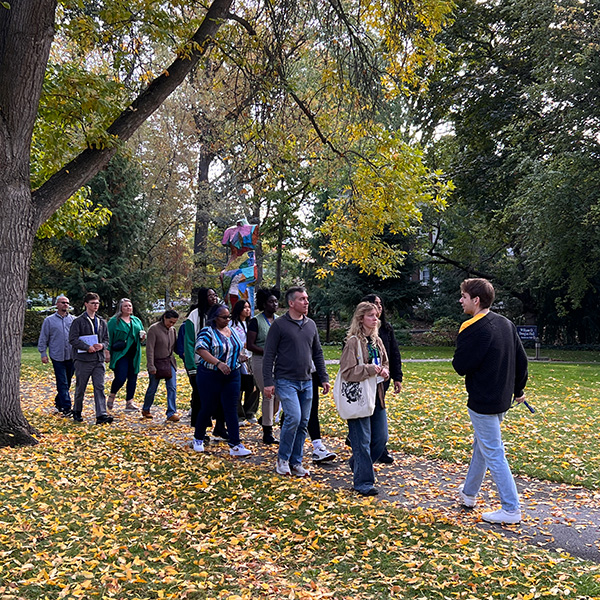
<point x="64" y="183"/>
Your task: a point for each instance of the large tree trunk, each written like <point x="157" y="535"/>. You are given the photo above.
<point x="16" y="242"/>
<point x="26" y="33"/>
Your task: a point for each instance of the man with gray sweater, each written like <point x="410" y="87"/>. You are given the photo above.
<point x="292" y="346"/>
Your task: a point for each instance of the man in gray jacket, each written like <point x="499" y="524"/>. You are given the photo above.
<point x="54" y="340"/>
<point x="291" y="347"/>
<point x="89" y="339"/>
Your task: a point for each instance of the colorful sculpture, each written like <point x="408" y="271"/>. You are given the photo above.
<point x="239" y="275"/>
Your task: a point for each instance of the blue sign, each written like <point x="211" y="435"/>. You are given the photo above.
<point x="527" y="332"/>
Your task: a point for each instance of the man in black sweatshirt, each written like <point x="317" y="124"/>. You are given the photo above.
<point x="490" y="355"/>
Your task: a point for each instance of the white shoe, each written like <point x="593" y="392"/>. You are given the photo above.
<point x="321" y="454"/>
<point x="299" y="471"/>
<point x="239" y="450"/>
<point x="252" y="420"/>
<point x="244" y="423"/>
<point x="198" y="445"/>
<point x="502" y="516"/>
<point x="468" y="501"/>
<point x="282" y="467"/>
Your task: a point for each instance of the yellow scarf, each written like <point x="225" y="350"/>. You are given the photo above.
<point x="471" y="321"/>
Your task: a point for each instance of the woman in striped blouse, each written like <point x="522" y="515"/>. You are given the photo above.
<point x="219" y="376"/>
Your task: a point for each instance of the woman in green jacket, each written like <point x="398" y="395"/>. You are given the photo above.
<point x="125" y="336"/>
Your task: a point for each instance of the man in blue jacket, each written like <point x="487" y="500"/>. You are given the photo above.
<point x="54" y="340"/>
<point x="490" y="355"/>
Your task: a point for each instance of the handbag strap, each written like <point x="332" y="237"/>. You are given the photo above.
<point x="361" y="360"/>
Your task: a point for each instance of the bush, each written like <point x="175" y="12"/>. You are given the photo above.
<point x="403" y="336"/>
<point x="336" y="336"/>
<point x="33" y="326"/>
<point x="442" y="333"/>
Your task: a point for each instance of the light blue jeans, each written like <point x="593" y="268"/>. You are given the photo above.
<point x="296" y="400"/>
<point x="488" y="453"/>
<point x="171" y="392"/>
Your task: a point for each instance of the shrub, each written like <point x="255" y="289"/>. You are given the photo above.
<point x="442" y="333"/>
<point x="33" y="326"/>
<point x="336" y="336"/>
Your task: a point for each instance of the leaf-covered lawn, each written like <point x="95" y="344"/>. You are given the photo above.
<point x="98" y="512"/>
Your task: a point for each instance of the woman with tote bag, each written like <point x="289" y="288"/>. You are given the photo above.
<point x="364" y="359"/>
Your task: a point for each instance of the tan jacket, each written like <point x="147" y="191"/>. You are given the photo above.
<point x="349" y="367"/>
<point x="352" y="371"/>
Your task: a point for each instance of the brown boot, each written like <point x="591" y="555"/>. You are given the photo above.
<point x="110" y="401"/>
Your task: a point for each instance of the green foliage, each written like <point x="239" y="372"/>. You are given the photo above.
<point x="443" y="332"/>
<point x="109" y="263"/>
<point x="33" y="326"/>
<point x="389" y="188"/>
<point x="515" y="96"/>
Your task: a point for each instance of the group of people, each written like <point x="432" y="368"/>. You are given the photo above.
<point x="232" y="358"/>
<point x="82" y="345"/>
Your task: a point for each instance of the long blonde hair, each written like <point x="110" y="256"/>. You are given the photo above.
<point x="357" y="319"/>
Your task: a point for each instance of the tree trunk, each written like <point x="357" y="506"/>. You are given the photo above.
<point x="280" y="234"/>
<point x="203" y="208"/>
<point x="26" y="32"/>
<point x="16" y="243"/>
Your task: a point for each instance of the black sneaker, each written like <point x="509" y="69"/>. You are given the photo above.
<point x="370" y="492"/>
<point x="77" y="417"/>
<point x="67" y="413"/>
<point x="221" y="434"/>
<point x="386" y="458"/>
<point x="102" y="419"/>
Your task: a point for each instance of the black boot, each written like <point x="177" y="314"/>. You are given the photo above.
<point x="77" y="417"/>
<point x="268" y="435"/>
<point x="386" y="457"/>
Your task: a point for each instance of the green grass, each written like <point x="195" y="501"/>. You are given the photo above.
<point x="446" y="352"/>
<point x="101" y="513"/>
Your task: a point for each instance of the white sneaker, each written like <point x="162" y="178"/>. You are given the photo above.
<point x="239" y="450"/>
<point x="321" y="454"/>
<point x="244" y="423"/>
<point x="468" y="501"/>
<point x="502" y="516"/>
<point x="282" y="467"/>
<point x="198" y="445"/>
<point x="299" y="471"/>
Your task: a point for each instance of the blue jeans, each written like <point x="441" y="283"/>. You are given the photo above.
<point x="218" y="388"/>
<point x="368" y="437"/>
<point x="63" y="372"/>
<point x="125" y="371"/>
<point x="171" y="392"/>
<point x="488" y="453"/>
<point x="296" y="400"/>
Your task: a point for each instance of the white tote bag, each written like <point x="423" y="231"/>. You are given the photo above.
<point x="355" y="399"/>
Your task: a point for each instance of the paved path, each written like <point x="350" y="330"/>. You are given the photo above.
<point x="557" y="516"/>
